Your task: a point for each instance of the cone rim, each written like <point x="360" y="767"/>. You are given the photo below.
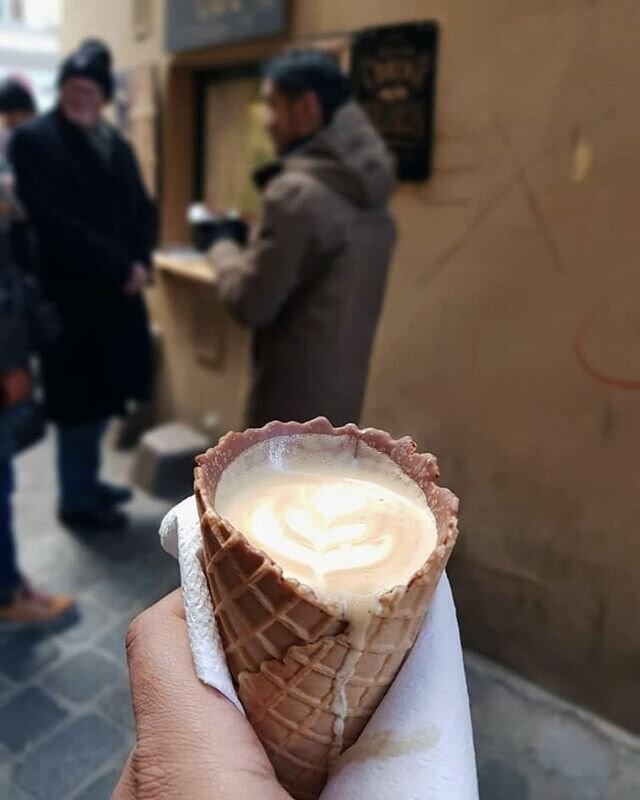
<point x="422" y="468"/>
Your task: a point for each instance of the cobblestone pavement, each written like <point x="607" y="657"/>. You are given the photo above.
<point x="65" y="718"/>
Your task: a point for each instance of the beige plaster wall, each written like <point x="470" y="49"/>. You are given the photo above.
<point x="113" y="22"/>
<point x="510" y="342"/>
<point x="495" y="300"/>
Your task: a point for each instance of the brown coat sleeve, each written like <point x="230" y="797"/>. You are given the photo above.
<point x="254" y="283"/>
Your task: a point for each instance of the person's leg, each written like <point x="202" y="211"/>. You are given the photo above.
<point x="79" y="465"/>
<point x="9" y="576"/>
<point x="19" y="602"/>
<point x="108" y="494"/>
<point x="113" y="495"/>
<point x="83" y="505"/>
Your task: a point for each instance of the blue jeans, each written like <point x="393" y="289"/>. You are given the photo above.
<point x="9" y="575"/>
<point x="79" y="465"/>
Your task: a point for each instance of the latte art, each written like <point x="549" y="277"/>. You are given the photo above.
<point x="327" y="527"/>
<point x="345" y="527"/>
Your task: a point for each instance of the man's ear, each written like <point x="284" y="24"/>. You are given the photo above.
<point x="311" y="111"/>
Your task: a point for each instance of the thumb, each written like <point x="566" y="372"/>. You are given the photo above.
<point x="190" y="740"/>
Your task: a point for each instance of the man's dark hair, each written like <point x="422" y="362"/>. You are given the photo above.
<point x="298" y="71"/>
<point x="15" y="96"/>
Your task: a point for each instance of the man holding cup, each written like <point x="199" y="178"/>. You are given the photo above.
<point x="311" y="282"/>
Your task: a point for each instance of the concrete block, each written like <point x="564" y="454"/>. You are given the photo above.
<point x="125" y="433"/>
<point x="164" y="461"/>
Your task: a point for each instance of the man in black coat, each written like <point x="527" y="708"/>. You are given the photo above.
<point x="96" y="226"/>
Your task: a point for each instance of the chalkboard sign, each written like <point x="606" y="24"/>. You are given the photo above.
<point x="200" y="23"/>
<point x="393" y="72"/>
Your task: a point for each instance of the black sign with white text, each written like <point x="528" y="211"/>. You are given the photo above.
<point x="200" y="23"/>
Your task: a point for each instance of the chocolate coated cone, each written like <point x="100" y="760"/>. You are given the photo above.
<point x="284" y="647"/>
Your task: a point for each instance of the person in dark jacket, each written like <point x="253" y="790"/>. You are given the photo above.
<point x="81" y="185"/>
<point x="19" y="602"/>
<point x="311" y="282"/>
<point x="17" y="107"/>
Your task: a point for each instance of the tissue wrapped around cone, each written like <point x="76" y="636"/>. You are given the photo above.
<point x="283" y="646"/>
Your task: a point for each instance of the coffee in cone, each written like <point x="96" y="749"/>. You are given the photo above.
<point x="322" y="548"/>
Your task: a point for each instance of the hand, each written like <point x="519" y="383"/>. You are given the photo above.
<point x="15" y="387"/>
<point x="138" y="279"/>
<point x="191" y="742"/>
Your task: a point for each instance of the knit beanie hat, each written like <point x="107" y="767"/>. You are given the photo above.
<point x="92" y="60"/>
<point x="15" y="96"/>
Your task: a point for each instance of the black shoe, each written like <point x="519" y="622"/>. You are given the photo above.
<point x="98" y="519"/>
<point x="111" y="495"/>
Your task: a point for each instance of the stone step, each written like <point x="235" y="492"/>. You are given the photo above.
<point x="164" y="459"/>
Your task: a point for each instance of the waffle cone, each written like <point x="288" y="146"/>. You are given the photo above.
<point x="284" y="647"/>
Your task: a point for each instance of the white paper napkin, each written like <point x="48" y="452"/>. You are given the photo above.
<point x="418" y="744"/>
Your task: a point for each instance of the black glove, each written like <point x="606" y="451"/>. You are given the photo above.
<point x="210" y="232"/>
<point x="234" y="228"/>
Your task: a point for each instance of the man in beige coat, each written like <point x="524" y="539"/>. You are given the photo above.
<point x="311" y="282"/>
